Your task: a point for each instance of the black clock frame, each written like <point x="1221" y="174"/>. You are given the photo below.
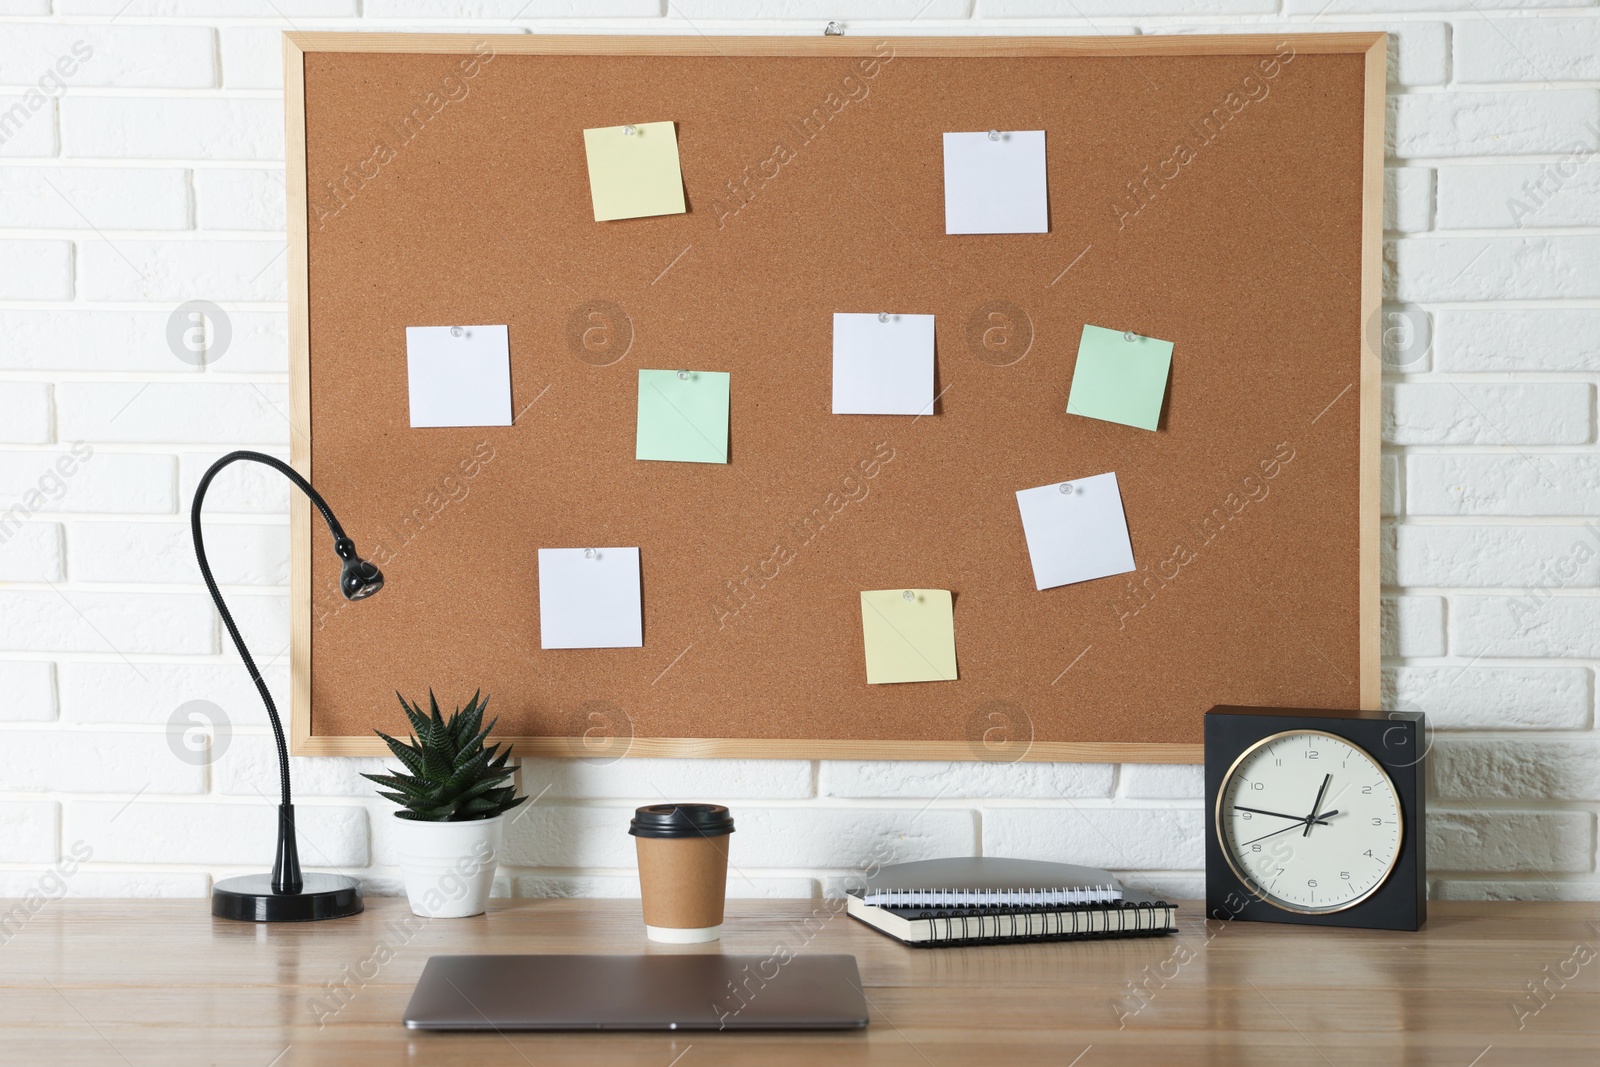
<point x="1397" y="740"/>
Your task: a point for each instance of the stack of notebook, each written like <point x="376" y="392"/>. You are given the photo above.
<point x="987" y="900"/>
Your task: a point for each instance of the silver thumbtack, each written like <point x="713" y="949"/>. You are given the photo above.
<point x="994" y="135"/>
<point x="456" y="331"/>
<point x="1066" y="488"/>
<point x="683" y="376"/>
<point x="588" y="553"/>
<point x="1129" y="335"/>
<point x="908" y="596"/>
<point x="883" y="316"/>
<point x="833" y="29"/>
<point x="628" y="131"/>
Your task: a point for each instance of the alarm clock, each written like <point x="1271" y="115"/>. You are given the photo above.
<point x="1316" y="817"/>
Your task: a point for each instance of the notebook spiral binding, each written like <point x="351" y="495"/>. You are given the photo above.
<point x="1035" y="898"/>
<point x="957" y="927"/>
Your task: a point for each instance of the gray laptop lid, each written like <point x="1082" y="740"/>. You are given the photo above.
<point x="690" y="991"/>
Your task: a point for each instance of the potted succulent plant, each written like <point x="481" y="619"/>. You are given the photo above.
<point x="453" y="801"/>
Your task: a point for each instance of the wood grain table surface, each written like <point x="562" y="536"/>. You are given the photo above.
<point x="160" y="982"/>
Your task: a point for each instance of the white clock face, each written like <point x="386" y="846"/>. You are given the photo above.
<point x="1309" y="821"/>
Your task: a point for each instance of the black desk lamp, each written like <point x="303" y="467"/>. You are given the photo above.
<point x="286" y="895"/>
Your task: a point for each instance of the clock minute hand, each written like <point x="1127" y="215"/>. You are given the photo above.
<point x="1263" y="811"/>
<point x="1313" y="817"/>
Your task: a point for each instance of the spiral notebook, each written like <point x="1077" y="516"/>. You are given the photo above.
<point x="988" y="900"/>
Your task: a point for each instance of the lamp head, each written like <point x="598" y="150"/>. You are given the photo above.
<point x="359" y="579"/>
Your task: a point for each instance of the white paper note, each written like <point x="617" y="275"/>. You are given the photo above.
<point x="589" y="598"/>
<point x="459" y="375"/>
<point x="995" y="186"/>
<point x="1076" y="534"/>
<point x="882" y="368"/>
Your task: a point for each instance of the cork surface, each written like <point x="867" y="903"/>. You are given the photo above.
<point x="440" y="197"/>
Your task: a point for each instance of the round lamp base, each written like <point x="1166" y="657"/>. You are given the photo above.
<point x="249" y="898"/>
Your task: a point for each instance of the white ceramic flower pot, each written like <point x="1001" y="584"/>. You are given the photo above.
<point x="449" y="867"/>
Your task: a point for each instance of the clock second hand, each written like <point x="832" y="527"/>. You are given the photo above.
<point x="1320" y="821"/>
<point x="1263" y="811"/>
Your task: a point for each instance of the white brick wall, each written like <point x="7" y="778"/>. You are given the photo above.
<point x="33" y="554"/>
<point x="118" y="198"/>
<point x="1504" y="414"/>
<point x="124" y="692"/>
<point x="35" y="270"/>
<point x="186" y="413"/>
<point x="107" y="482"/>
<point x="1517" y="339"/>
<point x="30" y="691"/>
<point x="916" y="778"/>
<point x="171" y="127"/>
<point x="101" y="761"/>
<point x="1524" y="50"/>
<point x="1492" y="124"/>
<point x="152" y="174"/>
<point x="212" y="833"/>
<point x="24" y="412"/>
<point x="1124" y="838"/>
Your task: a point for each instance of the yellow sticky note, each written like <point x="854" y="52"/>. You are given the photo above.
<point x="910" y="635"/>
<point x="633" y="171"/>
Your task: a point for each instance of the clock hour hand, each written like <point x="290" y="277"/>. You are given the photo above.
<point x="1263" y="811"/>
<point x="1313" y="817"/>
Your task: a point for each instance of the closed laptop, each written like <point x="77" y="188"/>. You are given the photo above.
<point x="694" y="991"/>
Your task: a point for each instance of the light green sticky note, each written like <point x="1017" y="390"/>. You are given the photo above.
<point x="683" y="416"/>
<point x="910" y="635"/>
<point x="1120" y="377"/>
<point x="633" y="171"/>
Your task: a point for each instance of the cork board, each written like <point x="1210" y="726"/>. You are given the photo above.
<point x="1222" y="193"/>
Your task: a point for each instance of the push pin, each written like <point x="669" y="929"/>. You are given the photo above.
<point x="908" y="596"/>
<point x="883" y="316"/>
<point x="994" y="135"/>
<point x="683" y="376"/>
<point x="588" y="553"/>
<point x="1066" y="488"/>
<point x="1129" y="335"/>
<point x="456" y="331"/>
<point x="833" y="29"/>
<point x="628" y="131"/>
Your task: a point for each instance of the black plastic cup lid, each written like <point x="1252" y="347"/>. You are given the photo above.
<point x="681" y="820"/>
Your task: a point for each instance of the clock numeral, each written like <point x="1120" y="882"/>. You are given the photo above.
<point x="1258" y="785"/>
<point x="1312" y="882"/>
<point x="1245" y="815"/>
<point x="1277" y="763"/>
<point x="1345" y="875"/>
<point x="1312" y="753"/>
<point x="1377" y="822"/>
<point x="1366" y="790"/>
<point x="1255" y="848"/>
<point x="1369" y="855"/>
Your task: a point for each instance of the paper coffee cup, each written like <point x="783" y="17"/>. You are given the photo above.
<point x="683" y="869"/>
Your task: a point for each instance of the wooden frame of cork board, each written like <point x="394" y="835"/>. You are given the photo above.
<point x="1223" y="193"/>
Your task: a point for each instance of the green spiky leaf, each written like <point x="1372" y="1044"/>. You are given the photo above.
<point x="450" y="774"/>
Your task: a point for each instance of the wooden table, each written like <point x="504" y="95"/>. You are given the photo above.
<point x="162" y="983"/>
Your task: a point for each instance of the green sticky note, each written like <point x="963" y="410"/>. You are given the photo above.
<point x="1118" y="379"/>
<point x="683" y="416"/>
<point x="633" y="171"/>
<point x="910" y="635"/>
